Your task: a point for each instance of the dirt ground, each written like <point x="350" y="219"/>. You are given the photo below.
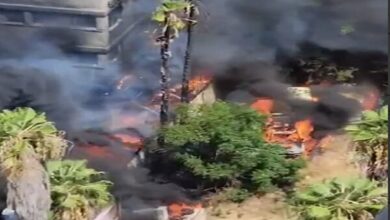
<point x="333" y="162"/>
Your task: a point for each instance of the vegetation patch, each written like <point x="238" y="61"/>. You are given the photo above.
<point x="25" y="132"/>
<point x="370" y="136"/>
<point x="351" y="199"/>
<point x="76" y="191"/>
<point x="221" y="145"/>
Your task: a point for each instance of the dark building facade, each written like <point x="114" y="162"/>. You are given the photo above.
<point x="100" y="25"/>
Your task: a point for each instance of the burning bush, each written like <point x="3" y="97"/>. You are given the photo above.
<point x="221" y="145"/>
<point x="371" y="138"/>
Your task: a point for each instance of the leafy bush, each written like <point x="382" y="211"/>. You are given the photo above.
<point x="222" y="146"/>
<point x="339" y="199"/>
<point x="236" y="195"/>
<point x="371" y="138"/>
<point x="76" y="190"/>
<point x="26" y="131"/>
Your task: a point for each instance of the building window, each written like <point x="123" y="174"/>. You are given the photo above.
<point x="115" y="16"/>
<point x="64" y="20"/>
<point x="11" y="16"/>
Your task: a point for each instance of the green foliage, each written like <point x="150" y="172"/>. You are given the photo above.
<point x="76" y="189"/>
<point x="24" y="131"/>
<point x="236" y="195"/>
<point x="371" y="136"/>
<point x="320" y="69"/>
<point x="171" y="14"/>
<point x="345" y="75"/>
<point x="337" y="199"/>
<point x="347" y="29"/>
<point x="222" y="145"/>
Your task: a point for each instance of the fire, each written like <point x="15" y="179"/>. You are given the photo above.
<point x="99" y="152"/>
<point x="178" y="210"/>
<point x="131" y="141"/>
<point x="371" y="100"/>
<point x="197" y="83"/>
<point x="123" y="147"/>
<point x="96" y="153"/>
<point x="304" y="129"/>
<point x="300" y="134"/>
<point x="130" y="121"/>
<point x="263" y="106"/>
<point x="283" y="133"/>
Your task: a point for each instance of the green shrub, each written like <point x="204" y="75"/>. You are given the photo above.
<point x="76" y="190"/>
<point x="222" y="146"/>
<point x="339" y="199"/>
<point x="236" y="195"/>
<point x="371" y="138"/>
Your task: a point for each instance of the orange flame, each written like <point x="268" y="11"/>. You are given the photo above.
<point x="197" y="83"/>
<point x="131" y="141"/>
<point x="371" y="100"/>
<point x="195" y="86"/>
<point x="304" y="129"/>
<point x="263" y="106"/>
<point x="101" y="153"/>
<point x="178" y="210"/>
<point x="284" y="134"/>
<point x="97" y="151"/>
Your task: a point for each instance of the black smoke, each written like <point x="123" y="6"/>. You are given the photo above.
<point x="228" y="33"/>
<point x="238" y="40"/>
<point x="30" y="87"/>
<point x="246" y="83"/>
<point x="248" y="30"/>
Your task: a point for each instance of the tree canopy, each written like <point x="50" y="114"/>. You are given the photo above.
<point x="222" y="144"/>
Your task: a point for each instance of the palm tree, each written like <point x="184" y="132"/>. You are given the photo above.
<point x="27" y="140"/>
<point x="168" y="16"/>
<point x="191" y="10"/>
<point x="371" y="141"/>
<point x="77" y="191"/>
<point x="164" y="71"/>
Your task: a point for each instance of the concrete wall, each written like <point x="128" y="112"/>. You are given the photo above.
<point x="101" y="6"/>
<point x="97" y="36"/>
<point x="207" y="96"/>
<point x="87" y="41"/>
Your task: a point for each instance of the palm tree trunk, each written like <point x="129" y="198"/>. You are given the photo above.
<point x="164" y="74"/>
<point x="187" y="58"/>
<point x="29" y="194"/>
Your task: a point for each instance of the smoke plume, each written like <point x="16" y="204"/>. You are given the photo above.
<point x="238" y="40"/>
<point x="237" y="30"/>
